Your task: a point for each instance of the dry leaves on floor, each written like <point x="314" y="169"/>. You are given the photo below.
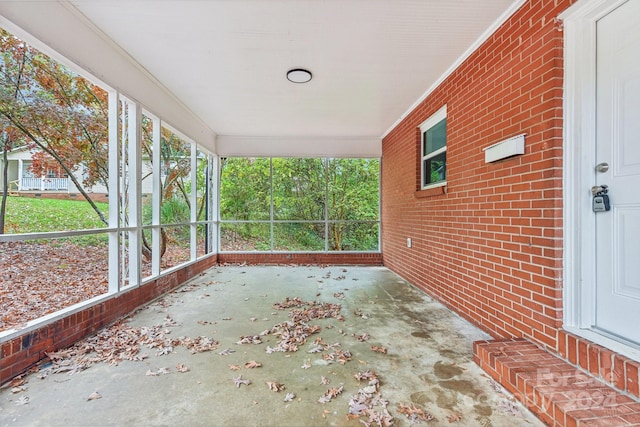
<point x="379" y="349"/>
<point x="93" y="396"/>
<point x="24" y="400"/>
<point x="251" y="339"/>
<point x="455" y="417"/>
<point x="158" y="372"/>
<point x="330" y="394"/>
<point x="238" y="381"/>
<point x="123" y="342"/>
<point x="252" y="364"/>
<point x="182" y="368"/>
<point x="367" y="405"/>
<point x="414" y="413"/>
<point x="275" y="386"/>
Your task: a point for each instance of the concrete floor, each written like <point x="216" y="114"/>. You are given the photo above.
<point x="428" y="363"/>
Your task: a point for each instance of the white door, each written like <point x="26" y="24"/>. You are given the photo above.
<point x="618" y="145"/>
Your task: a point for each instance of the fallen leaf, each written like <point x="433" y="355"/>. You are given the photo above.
<point x="238" y="381"/>
<point x="234" y="367"/>
<point x="182" y="368"/>
<point x="414" y="413"/>
<point x="93" y="396"/>
<point x="316" y="349"/>
<point x="252" y="364"/>
<point x="379" y="349"/>
<point x="362" y="338"/>
<point x="324" y="380"/>
<point x="160" y="371"/>
<point x="251" y="339"/>
<point x="289" y="397"/>
<point x="24" y="400"/>
<point x="16" y="382"/>
<point x="330" y="394"/>
<point x="454" y="417"/>
<point x="19" y="389"/>
<point x="226" y="352"/>
<point x="275" y="386"/>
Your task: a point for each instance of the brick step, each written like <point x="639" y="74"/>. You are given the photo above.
<point x="557" y="392"/>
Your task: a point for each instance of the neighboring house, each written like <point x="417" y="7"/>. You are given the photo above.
<point x="22" y="179"/>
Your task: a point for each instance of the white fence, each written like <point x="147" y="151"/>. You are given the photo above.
<point x="44" y="184"/>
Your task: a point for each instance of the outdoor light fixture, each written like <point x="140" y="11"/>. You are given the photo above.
<point x="299" y="75"/>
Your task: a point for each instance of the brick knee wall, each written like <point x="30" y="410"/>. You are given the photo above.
<point x="20" y="353"/>
<point x="319" y="258"/>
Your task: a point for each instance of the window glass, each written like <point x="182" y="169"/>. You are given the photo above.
<point x="435" y="137"/>
<point x="435" y="169"/>
<point x="434" y="146"/>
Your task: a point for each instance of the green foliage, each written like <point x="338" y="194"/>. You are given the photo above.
<point x="35" y="215"/>
<point x="175" y="210"/>
<point x="343" y="191"/>
<point x="244" y="188"/>
<point x="293" y="236"/>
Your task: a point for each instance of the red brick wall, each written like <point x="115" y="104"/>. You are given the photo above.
<point x="362" y="258"/>
<point x="21" y="352"/>
<point x="490" y="245"/>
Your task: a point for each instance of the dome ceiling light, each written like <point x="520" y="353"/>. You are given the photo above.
<point x="299" y="75"/>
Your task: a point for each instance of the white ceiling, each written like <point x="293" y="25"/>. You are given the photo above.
<point x="226" y="60"/>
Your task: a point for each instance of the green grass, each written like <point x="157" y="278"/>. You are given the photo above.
<point x="38" y="215"/>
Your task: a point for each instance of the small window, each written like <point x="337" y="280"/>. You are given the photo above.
<point x="434" y="149"/>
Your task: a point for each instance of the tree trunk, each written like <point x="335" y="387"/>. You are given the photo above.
<point x="5" y="180"/>
<point x="147" y="250"/>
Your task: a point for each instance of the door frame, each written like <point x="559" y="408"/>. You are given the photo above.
<point x="579" y="143"/>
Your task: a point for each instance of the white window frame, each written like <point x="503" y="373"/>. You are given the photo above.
<point x="433" y="120"/>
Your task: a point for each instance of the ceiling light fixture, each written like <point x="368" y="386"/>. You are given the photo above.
<point x="299" y="75"/>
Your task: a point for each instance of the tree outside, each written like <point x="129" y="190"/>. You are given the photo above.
<point x="299" y="204"/>
<point x="59" y="115"/>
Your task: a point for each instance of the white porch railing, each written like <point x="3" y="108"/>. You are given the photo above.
<point x="43" y="184"/>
